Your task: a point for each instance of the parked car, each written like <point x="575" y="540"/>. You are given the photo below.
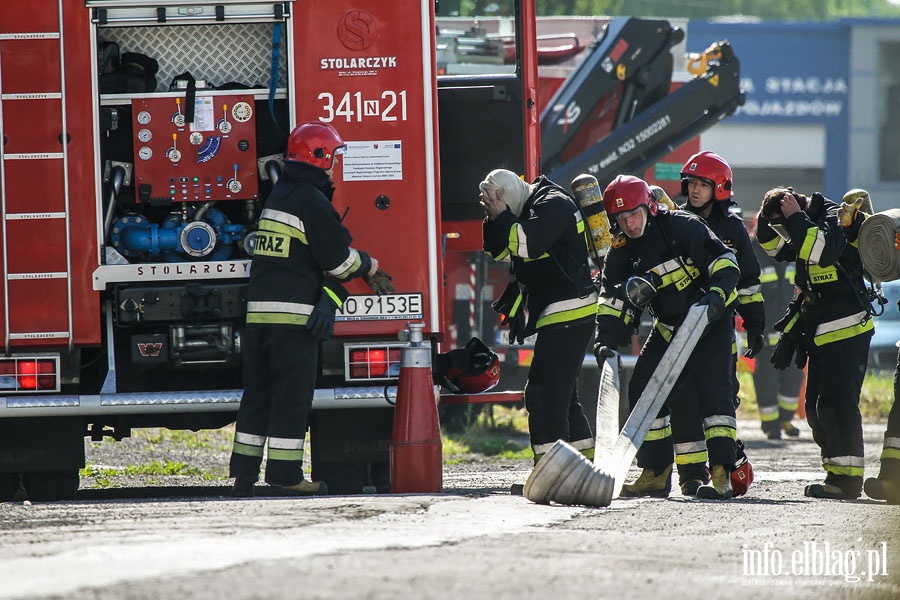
<point x="883" y="349"/>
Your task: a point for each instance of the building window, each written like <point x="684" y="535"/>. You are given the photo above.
<point x="889" y="110"/>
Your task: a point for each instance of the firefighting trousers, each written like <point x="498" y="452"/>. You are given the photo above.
<point x="697" y="422"/>
<point x="279" y="383"/>
<point x="835" y="376"/>
<point x="777" y="391"/>
<point x="551" y="392"/>
<point x="890" y="452"/>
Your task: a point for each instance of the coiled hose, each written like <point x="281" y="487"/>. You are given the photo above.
<point x="878" y="245"/>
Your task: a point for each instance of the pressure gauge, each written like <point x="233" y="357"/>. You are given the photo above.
<point x="242" y="112"/>
<point x="143" y="117"/>
<point x="196" y="138"/>
<point x="145" y="153"/>
<point x="144" y="135"/>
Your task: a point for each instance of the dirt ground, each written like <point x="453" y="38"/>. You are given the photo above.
<point x="168" y="536"/>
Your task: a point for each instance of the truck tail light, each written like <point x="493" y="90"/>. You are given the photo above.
<point x="29" y="374"/>
<point x="372" y="362"/>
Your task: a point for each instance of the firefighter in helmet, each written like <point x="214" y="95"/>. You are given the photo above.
<point x="538" y="228"/>
<point x="666" y="261"/>
<point x="301" y="255"/>
<point x="707" y="183"/>
<point x="829" y="323"/>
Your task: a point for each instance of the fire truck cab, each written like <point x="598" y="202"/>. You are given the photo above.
<point x="139" y="141"/>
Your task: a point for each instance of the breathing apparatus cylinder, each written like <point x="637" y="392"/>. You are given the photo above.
<point x="587" y="193"/>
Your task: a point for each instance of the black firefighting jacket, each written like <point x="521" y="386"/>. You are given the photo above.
<point x="686" y="260"/>
<point x="828" y="272"/>
<point x="300" y="242"/>
<point x="778" y="289"/>
<point x="548" y="250"/>
<point x="730" y="228"/>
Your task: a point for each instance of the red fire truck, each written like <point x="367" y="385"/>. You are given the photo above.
<point x="140" y="139"/>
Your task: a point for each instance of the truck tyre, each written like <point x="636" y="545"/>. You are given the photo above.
<point x="50" y="486"/>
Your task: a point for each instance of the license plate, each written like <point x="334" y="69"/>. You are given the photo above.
<point x="376" y="308"/>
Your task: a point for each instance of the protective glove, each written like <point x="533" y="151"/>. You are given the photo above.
<point x="517" y="327"/>
<point x="716" y="305"/>
<point x="783" y="353"/>
<point x="755" y="343"/>
<point x="603" y="352"/>
<point x="380" y="282"/>
<point x="321" y="320"/>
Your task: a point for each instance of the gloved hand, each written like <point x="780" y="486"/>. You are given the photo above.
<point x="517" y="327"/>
<point x="380" y="282"/>
<point x="321" y="321"/>
<point x="716" y="305"/>
<point x="603" y="352"/>
<point x="755" y="343"/>
<point x="783" y="353"/>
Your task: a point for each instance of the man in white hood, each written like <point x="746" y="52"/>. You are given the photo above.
<point x="538" y="228"/>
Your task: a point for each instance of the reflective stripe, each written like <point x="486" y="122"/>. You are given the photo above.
<point x="750" y="298"/>
<point x="334" y="297"/>
<point x="720" y="426"/>
<point x="245" y="450"/>
<point x="286" y="443"/>
<point x="788" y="402"/>
<point x="768" y="413"/>
<point x="249" y="438"/>
<point x="279" y="216"/>
<point x="568" y="310"/>
<point x="667" y="331"/>
<point x="842" y="329"/>
<point x="614" y="308"/>
<point x="584" y="444"/>
<point x="723" y="420"/>
<point x="773" y="246"/>
<point x="853" y="466"/>
<point x="518" y="241"/>
<point x="691" y="458"/>
<point x="726" y="261"/>
<point x="279" y="454"/>
<point x="813" y="245"/>
<point x="287" y="313"/>
<point x="689" y="447"/>
<point x="659" y="429"/>
<point x="351" y="264"/>
<point x="541" y="449"/>
<point x="891" y="453"/>
<point x="248" y="444"/>
<point x="892" y="442"/>
<point x="588" y="453"/>
<point x="768" y="275"/>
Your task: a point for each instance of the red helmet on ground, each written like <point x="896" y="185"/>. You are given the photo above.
<point x="711" y="168"/>
<point x="472" y="369"/>
<point x="627" y="192"/>
<point x="315" y="144"/>
<point x="742" y="476"/>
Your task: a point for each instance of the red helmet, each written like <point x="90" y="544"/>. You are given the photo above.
<point x="469" y="370"/>
<point x="315" y="144"/>
<point x="742" y="476"/>
<point x="711" y="168"/>
<point x="625" y="193"/>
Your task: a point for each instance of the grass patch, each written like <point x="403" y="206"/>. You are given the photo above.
<point x="206" y="439"/>
<point x="497" y="431"/>
<point x="104" y="477"/>
<point x="875" y="399"/>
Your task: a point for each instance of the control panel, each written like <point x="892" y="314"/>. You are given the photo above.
<point x="207" y="154"/>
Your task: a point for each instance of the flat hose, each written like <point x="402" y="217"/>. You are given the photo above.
<point x="878" y="245"/>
